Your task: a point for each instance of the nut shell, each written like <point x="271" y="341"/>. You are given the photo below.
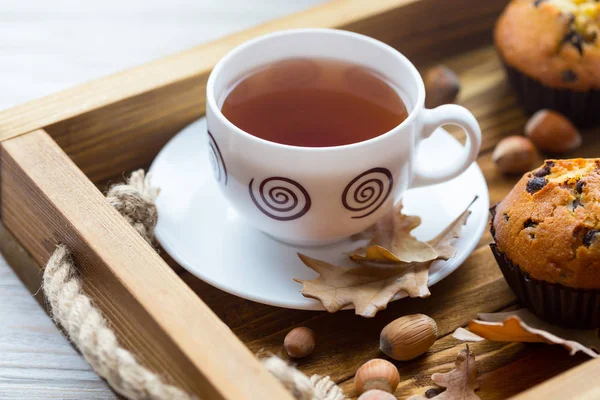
<point x="408" y="337"/>
<point x="514" y="155"/>
<point x="441" y="86"/>
<point x="552" y="132"/>
<point x="299" y="342"/>
<point x="377" y="374"/>
<point x="377" y="395"/>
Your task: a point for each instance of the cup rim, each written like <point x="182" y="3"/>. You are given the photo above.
<point x="212" y="102"/>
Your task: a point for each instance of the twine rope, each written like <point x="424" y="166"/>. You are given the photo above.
<point x="299" y="385"/>
<point x="89" y="331"/>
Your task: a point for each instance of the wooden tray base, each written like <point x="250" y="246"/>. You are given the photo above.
<point x="47" y="199"/>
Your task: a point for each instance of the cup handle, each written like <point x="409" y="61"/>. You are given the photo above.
<point x="449" y="114"/>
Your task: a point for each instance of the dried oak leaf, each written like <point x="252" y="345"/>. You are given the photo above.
<point x="370" y="288"/>
<point x="523" y="326"/>
<point x="460" y="383"/>
<point x="391" y="241"/>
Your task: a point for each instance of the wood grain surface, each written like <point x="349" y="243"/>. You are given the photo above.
<point x="36" y="360"/>
<point x="345" y="341"/>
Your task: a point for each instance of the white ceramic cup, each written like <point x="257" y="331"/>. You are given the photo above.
<point x="319" y="195"/>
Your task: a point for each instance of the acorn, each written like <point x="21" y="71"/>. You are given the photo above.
<point x="376" y="395"/>
<point x="377" y="374"/>
<point x="299" y="342"/>
<point x="408" y="337"/>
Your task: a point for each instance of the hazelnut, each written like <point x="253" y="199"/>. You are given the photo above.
<point x="376" y="395"/>
<point x="514" y="155"/>
<point x="408" y="337"/>
<point x="552" y="132"/>
<point x="299" y="342"/>
<point x="441" y="86"/>
<point x="377" y="374"/>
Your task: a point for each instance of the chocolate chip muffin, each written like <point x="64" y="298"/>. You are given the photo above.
<point x="551" y="51"/>
<point x="547" y="241"/>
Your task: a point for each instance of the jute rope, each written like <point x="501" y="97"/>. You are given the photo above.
<point x="97" y="342"/>
<point x="299" y="385"/>
<point x="135" y="201"/>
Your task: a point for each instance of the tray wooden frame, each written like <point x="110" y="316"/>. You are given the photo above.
<point x="56" y="151"/>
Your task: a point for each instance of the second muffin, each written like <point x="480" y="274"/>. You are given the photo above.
<point x="551" y="51"/>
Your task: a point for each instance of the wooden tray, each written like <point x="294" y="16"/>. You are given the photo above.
<point x="57" y="151"/>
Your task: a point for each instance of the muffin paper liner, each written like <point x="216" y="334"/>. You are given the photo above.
<point x="552" y="302"/>
<point x="583" y="108"/>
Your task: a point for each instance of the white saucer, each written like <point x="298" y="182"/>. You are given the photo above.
<point x="199" y="229"/>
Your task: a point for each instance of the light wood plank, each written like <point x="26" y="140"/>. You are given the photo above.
<point x="46" y="200"/>
<point x="29" y="341"/>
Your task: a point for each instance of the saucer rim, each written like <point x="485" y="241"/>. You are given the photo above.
<point x="315" y="305"/>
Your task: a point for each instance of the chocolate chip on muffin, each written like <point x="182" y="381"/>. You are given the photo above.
<point x="576" y="203"/>
<point x="545" y="170"/>
<point x="589" y="237"/>
<point x="574" y="38"/>
<point x="536" y="184"/>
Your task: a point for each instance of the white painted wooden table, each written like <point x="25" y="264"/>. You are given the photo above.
<point x="47" y="46"/>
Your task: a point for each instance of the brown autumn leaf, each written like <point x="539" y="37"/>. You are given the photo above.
<point x="523" y="326"/>
<point x="391" y="241"/>
<point x="371" y="288"/>
<point x="460" y="383"/>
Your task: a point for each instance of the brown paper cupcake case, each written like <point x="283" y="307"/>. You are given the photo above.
<point x="552" y="302"/>
<point x="583" y="108"/>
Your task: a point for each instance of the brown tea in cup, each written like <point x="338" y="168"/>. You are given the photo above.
<point x="314" y="103"/>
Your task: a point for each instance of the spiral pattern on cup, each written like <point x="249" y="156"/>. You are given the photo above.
<point x="216" y="159"/>
<point x="280" y="198"/>
<point x="368" y="191"/>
